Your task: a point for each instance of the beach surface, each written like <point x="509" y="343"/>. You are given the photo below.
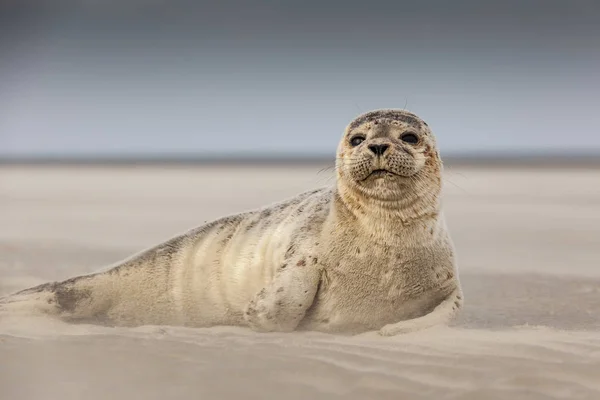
<point x="528" y="245"/>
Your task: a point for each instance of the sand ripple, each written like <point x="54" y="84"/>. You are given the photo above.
<point x="81" y="361"/>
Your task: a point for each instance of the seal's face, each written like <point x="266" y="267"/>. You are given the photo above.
<point x="384" y="153"/>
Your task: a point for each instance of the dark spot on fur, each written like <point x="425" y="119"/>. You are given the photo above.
<point x="315" y="260"/>
<point x="358" y="250"/>
<point x="280" y="290"/>
<point x="266" y="213"/>
<point x="449" y="275"/>
<point x="68" y="297"/>
<point x="457" y="304"/>
<point x="459" y="297"/>
<point x="431" y="231"/>
<point x="226" y="239"/>
<point x="299" y="305"/>
<point x="437" y="275"/>
<point x="250" y="225"/>
<point x="279" y="303"/>
<point x="290" y="251"/>
<point x="283" y="266"/>
<point x="324" y="321"/>
<point x="306" y="291"/>
<point x="301" y="263"/>
<point x="222" y="227"/>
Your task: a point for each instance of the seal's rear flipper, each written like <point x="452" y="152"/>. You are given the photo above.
<point x="75" y="299"/>
<point x="34" y="301"/>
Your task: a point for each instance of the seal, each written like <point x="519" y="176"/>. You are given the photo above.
<point x="370" y="253"/>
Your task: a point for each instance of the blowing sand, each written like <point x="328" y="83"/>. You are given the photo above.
<point x="528" y="243"/>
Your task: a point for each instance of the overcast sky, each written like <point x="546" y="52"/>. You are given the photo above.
<point x="139" y="77"/>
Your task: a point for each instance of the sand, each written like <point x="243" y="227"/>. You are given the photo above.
<point x="528" y="242"/>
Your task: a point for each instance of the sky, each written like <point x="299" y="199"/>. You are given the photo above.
<point x="125" y="78"/>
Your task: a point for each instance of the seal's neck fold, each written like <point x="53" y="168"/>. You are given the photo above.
<point x="417" y="205"/>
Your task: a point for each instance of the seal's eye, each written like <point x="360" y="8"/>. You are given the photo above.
<point x="356" y="140"/>
<point x="410" y="138"/>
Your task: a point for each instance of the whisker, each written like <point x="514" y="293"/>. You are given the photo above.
<point x="457" y="186"/>
<point x="331" y="167"/>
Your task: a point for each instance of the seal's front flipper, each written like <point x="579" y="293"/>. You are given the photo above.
<point x="282" y="305"/>
<point x="441" y="315"/>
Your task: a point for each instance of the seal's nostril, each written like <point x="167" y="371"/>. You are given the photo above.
<point x="379" y="149"/>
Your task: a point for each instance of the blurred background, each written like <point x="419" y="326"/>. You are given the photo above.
<point x="137" y="79"/>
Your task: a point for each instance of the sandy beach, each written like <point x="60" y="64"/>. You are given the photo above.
<point x="528" y="245"/>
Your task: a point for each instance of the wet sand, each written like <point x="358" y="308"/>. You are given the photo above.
<point x="528" y="242"/>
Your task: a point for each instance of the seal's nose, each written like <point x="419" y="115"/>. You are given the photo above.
<point x="379" y="149"/>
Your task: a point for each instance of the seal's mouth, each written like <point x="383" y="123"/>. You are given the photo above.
<point x="381" y="173"/>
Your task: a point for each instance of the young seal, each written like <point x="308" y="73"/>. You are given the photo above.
<point x="370" y="253"/>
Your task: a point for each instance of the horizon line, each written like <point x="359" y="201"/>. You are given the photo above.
<point x="539" y="158"/>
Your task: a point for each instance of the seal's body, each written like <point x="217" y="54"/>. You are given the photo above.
<point x="371" y="253"/>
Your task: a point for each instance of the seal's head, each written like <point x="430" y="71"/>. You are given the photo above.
<point x="389" y="155"/>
